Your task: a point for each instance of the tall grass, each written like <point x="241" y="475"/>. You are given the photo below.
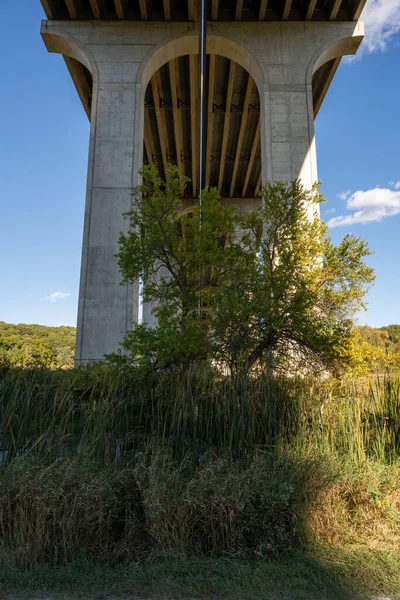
<point x="115" y="466"/>
<point x="107" y="416"/>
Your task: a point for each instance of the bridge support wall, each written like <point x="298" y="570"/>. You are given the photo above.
<point x="122" y="57"/>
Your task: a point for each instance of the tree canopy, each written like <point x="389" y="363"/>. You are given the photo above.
<point x="265" y="289"/>
<point x="36" y="346"/>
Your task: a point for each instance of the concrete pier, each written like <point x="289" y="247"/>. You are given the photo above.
<point x="269" y="79"/>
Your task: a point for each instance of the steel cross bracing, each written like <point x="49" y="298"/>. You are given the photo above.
<point x="222" y="150"/>
<point x="231" y="130"/>
<point x="231" y="143"/>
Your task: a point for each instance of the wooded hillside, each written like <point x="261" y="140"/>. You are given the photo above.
<point x="24" y="345"/>
<point x="37" y="346"/>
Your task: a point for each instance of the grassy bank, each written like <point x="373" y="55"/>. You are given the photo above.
<point x="287" y="485"/>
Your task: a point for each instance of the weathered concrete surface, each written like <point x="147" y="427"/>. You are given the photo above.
<point x="122" y="57"/>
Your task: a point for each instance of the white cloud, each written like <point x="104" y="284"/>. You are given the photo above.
<point x="344" y="195"/>
<point x="382" y="23"/>
<point x="397" y="185"/>
<point x="369" y="206"/>
<point x="330" y="211"/>
<point x="56" y="296"/>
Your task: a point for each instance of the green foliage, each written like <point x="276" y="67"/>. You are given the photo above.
<point x="393" y="332"/>
<point x="328" y="573"/>
<point x="36" y="346"/>
<point x="297" y="295"/>
<point x="260" y="290"/>
<point x="181" y="254"/>
<point x="374" y="351"/>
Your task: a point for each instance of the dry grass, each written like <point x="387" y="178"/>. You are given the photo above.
<point x="361" y="508"/>
<point x="158" y="507"/>
<point x="50" y="514"/>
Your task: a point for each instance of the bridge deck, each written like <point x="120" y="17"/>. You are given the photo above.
<point x="187" y="10"/>
<point x="233" y="153"/>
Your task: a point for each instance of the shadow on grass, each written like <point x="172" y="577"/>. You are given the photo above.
<point x="327" y="575"/>
<point x="210" y="483"/>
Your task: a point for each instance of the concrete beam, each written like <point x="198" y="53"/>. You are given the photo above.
<point x="242" y="131"/>
<point x="227" y="123"/>
<point x="251" y="161"/>
<point x="78" y="76"/>
<point x="214" y="10"/>
<point x="96" y="8"/>
<point x="323" y="89"/>
<point x="50" y="8"/>
<point x="143" y="9"/>
<point x="239" y="10"/>
<point x="167" y="10"/>
<point x="162" y="134"/>
<point x="358" y="10"/>
<point x="211" y="119"/>
<point x="286" y="10"/>
<point x="148" y="139"/>
<point x="119" y="7"/>
<point x="174" y="80"/>
<point x="194" y="118"/>
<point x="335" y="9"/>
<point x="72" y="6"/>
<point x="310" y="9"/>
<point x="263" y="10"/>
<point x="192" y="10"/>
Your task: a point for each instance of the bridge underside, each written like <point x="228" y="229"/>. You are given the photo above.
<point x="232" y="137"/>
<point x="232" y="148"/>
<point x="218" y="10"/>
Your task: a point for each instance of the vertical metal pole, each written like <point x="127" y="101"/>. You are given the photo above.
<point x="203" y="23"/>
<point x="202" y="53"/>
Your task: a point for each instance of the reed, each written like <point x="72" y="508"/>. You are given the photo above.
<point x="117" y="466"/>
<point x="109" y="416"/>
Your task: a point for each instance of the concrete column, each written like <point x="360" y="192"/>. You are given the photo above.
<point x="288" y="144"/>
<point x="287" y="58"/>
<point x="106" y="308"/>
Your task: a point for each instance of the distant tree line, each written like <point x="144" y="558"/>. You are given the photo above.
<point x="36" y="346"/>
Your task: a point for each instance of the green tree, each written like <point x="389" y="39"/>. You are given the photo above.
<point x="296" y="299"/>
<point x="264" y="290"/>
<point x="183" y="256"/>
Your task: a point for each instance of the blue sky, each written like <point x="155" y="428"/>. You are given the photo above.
<point x="43" y="161"/>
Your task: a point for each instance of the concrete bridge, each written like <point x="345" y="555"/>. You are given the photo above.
<point x="135" y="65"/>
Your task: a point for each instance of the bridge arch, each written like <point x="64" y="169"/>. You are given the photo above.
<point x="69" y="46"/>
<point x="80" y="62"/>
<point x="325" y="61"/>
<point x="189" y="44"/>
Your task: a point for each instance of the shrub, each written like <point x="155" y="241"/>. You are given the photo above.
<point x="51" y="514"/>
<point x="70" y="509"/>
<point x="227" y="508"/>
